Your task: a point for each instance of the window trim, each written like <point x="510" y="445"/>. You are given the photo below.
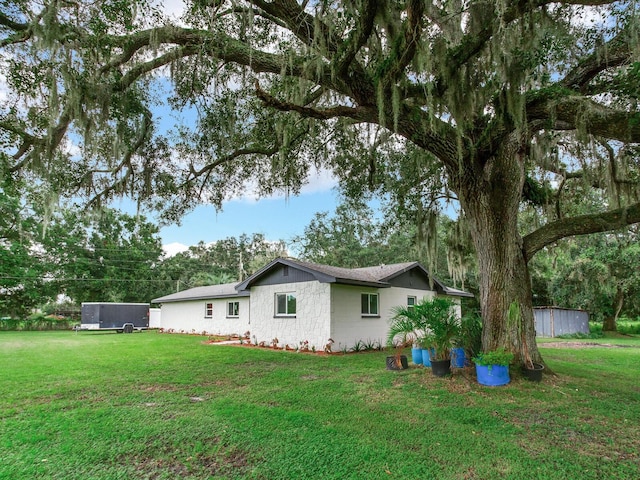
<point x="287" y="295"/>
<point x="368" y="314"/>
<point x="237" y="309"/>
<point x="208" y="310"/>
<point x="411" y="305"/>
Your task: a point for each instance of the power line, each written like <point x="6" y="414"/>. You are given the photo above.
<point x="49" y="279"/>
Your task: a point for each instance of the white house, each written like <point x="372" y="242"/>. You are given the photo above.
<point x="296" y="301"/>
<point x="215" y="309"/>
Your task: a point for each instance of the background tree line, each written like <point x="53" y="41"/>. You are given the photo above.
<point x="117" y="257"/>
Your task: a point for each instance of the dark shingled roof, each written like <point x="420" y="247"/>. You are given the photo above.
<point x="224" y="290"/>
<point x="378" y="276"/>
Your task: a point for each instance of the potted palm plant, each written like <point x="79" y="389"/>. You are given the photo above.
<point x="444" y="329"/>
<point x="401" y="333"/>
<point x="434" y="324"/>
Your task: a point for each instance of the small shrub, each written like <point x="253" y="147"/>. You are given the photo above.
<point x="370" y="345"/>
<point x="494" y="357"/>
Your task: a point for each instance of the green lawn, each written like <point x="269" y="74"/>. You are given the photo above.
<point x="152" y="406"/>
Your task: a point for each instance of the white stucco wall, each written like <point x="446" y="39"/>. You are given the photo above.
<point x="348" y="326"/>
<point x="155" y="318"/>
<point x="189" y="317"/>
<point x="311" y="322"/>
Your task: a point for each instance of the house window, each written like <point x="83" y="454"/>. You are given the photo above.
<point x="369" y="303"/>
<point x="233" y="309"/>
<point x="208" y="310"/>
<point x="411" y="302"/>
<point x="285" y="304"/>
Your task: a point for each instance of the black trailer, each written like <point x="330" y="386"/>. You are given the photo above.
<point x="121" y="317"/>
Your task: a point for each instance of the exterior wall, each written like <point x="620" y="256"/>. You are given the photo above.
<point x="323" y="311"/>
<point x="189" y="317"/>
<point x="311" y="321"/>
<point x="155" y="318"/>
<point x="348" y="326"/>
<point x="554" y="321"/>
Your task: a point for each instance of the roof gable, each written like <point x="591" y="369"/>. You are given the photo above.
<point x="315" y="271"/>
<point x="381" y="276"/>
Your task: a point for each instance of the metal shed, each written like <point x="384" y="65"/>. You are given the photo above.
<point x="554" y="321"/>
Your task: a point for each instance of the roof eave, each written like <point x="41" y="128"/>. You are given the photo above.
<point x="457" y="293"/>
<point x="200" y="297"/>
<point x="361" y="283"/>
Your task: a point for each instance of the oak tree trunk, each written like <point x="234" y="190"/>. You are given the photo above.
<point x="610" y="323"/>
<point x="491" y="200"/>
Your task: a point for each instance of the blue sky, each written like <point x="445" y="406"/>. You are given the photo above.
<point x="277" y="218"/>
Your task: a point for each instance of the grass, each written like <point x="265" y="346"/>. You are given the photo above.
<point x="151" y="406"/>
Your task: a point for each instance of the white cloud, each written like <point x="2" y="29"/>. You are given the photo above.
<point x="322" y="181"/>
<point x="318" y="181"/>
<point x="174" y="248"/>
<point x="172" y="8"/>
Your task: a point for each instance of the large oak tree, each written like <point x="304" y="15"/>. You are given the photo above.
<point x="500" y="101"/>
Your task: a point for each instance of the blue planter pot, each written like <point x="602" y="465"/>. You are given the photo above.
<point x="458" y="358"/>
<point x="416" y="356"/>
<point x="426" y="357"/>
<point x="493" y="375"/>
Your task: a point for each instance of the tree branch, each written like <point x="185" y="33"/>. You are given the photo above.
<point x="405" y="49"/>
<point x="314" y="33"/>
<point x="614" y="53"/>
<point x="132" y="43"/>
<point x="126" y="161"/>
<point x="143" y="68"/>
<point x="582" y="113"/>
<point x="220" y="46"/>
<point x="300" y="23"/>
<point x="254" y="150"/>
<point x="474" y="42"/>
<point x="12" y="24"/>
<point x="357" y="38"/>
<point x="580" y="225"/>
<point x="321" y="114"/>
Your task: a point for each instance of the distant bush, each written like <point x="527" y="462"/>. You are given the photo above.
<point x="38" y="321"/>
<point x="595" y="327"/>
<point x="7" y="323"/>
<point x="625" y="326"/>
<point x="629" y="327"/>
<point x="579" y="335"/>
